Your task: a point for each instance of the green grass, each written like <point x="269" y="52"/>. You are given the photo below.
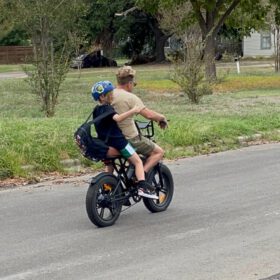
<point x="28" y="138"/>
<point x="10" y="68"/>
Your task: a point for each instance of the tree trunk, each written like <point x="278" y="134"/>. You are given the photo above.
<point x="277" y="48"/>
<point x="209" y="56"/>
<point x="210" y="22"/>
<point x="160" y="43"/>
<point x="160" y="40"/>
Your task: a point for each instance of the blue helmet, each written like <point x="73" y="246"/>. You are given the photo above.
<point x="102" y="87"/>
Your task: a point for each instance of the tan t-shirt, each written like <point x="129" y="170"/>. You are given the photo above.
<point x="122" y="102"/>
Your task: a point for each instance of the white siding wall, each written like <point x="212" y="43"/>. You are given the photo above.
<point x="252" y="46"/>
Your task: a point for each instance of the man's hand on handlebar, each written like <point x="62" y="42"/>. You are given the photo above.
<point x="163" y="124"/>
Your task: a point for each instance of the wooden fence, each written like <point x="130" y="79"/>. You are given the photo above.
<point x="14" y="54"/>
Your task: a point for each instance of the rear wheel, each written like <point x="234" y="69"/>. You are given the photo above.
<point x="164" y="189"/>
<point x="102" y="207"/>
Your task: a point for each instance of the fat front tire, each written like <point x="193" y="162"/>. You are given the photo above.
<point x="102" y="209"/>
<point x="164" y="190"/>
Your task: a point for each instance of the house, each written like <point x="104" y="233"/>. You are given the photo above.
<point x="224" y="45"/>
<point x="258" y="44"/>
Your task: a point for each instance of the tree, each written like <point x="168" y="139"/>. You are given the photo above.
<point x="15" y="37"/>
<point x="274" y="20"/>
<point x="49" y="24"/>
<point x="160" y="39"/>
<point x="144" y="30"/>
<point x="186" y="56"/>
<point x="135" y="37"/>
<point x="122" y="22"/>
<point x="10" y="33"/>
<point x="188" y="72"/>
<point x="150" y="8"/>
<point x="210" y="15"/>
<point x="101" y="22"/>
<point x="6" y="22"/>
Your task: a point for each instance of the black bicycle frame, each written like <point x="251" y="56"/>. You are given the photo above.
<point x="120" y="165"/>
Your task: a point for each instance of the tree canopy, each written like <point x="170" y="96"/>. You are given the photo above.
<point x="123" y="23"/>
<point x="211" y="15"/>
<point x="135" y="24"/>
<point x="51" y="26"/>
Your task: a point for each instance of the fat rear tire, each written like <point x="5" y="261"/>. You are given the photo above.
<point x="165" y="191"/>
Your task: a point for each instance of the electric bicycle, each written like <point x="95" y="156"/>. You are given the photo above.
<point x="110" y="194"/>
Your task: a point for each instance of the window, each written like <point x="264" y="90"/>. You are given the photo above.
<point x="265" y="41"/>
<point x="167" y="43"/>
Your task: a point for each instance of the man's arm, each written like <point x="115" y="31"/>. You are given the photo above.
<point x="151" y="115"/>
<point x="154" y="116"/>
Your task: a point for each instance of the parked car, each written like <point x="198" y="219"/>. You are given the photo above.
<point x="93" y="59"/>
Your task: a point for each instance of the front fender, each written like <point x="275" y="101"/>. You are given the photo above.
<point x="98" y="177"/>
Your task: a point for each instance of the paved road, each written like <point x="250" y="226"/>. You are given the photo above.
<point x="12" y="75"/>
<point x="243" y="64"/>
<point x="224" y="223"/>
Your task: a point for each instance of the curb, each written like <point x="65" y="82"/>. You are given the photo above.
<point x="71" y="165"/>
<point x="75" y="165"/>
<point x="244" y="140"/>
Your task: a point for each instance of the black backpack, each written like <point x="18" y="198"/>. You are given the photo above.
<point x="91" y="148"/>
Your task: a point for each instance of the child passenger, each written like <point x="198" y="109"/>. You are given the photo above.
<point x="108" y="130"/>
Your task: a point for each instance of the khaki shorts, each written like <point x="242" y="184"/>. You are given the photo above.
<point x="142" y="145"/>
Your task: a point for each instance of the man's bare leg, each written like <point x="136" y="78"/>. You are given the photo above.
<point x="155" y="156"/>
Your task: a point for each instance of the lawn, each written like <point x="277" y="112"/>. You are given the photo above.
<point x="241" y="105"/>
<point x="10" y="68"/>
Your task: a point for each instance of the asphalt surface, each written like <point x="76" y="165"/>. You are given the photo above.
<point x="12" y="75"/>
<point x="243" y="64"/>
<point x="223" y="223"/>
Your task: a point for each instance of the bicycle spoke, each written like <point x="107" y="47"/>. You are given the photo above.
<point x="102" y="213"/>
<point x="112" y="211"/>
<point x="103" y="200"/>
<point x="164" y="191"/>
<point x="161" y="190"/>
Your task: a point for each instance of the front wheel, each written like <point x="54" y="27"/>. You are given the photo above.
<point x="103" y="207"/>
<point x="161" y="178"/>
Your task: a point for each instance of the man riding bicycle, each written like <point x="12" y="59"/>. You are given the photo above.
<point x="123" y="101"/>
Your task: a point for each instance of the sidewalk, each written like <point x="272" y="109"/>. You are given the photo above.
<point x="11" y="75"/>
<point x="143" y="67"/>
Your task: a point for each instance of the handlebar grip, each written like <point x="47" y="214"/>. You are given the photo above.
<point x="163" y="123"/>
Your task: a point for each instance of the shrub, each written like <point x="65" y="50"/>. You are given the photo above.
<point x="188" y="68"/>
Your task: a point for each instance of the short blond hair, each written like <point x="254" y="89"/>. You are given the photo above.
<point x="125" y="75"/>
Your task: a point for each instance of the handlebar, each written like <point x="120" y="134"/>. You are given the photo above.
<point x="146" y="128"/>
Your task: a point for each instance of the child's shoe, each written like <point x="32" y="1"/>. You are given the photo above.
<point x="146" y="190"/>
